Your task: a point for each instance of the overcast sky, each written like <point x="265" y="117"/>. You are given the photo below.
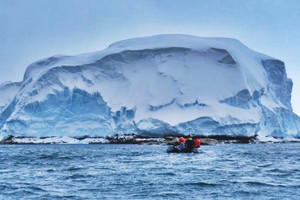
<point x="35" y="29"/>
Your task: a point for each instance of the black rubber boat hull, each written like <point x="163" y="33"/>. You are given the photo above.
<point x="175" y="150"/>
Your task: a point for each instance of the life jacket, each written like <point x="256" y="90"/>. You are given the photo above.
<point x="189" y="144"/>
<point x="197" y="142"/>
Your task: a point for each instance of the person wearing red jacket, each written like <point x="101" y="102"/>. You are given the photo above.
<point x="181" y="142"/>
<point x="181" y="139"/>
<point x="197" y="142"/>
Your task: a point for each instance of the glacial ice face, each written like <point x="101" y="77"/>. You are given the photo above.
<point x="8" y="90"/>
<point x="241" y="99"/>
<point x="160" y="85"/>
<point x="279" y="84"/>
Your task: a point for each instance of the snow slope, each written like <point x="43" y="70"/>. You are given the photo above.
<point x="158" y="85"/>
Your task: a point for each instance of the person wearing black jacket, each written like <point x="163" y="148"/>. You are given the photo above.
<point x="189" y="143"/>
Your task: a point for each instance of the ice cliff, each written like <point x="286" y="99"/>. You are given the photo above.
<point x="158" y="85"/>
<point x="8" y="90"/>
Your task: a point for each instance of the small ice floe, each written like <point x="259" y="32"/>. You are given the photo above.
<point x="262" y="138"/>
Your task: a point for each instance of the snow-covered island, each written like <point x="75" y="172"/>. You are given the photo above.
<point x="153" y="86"/>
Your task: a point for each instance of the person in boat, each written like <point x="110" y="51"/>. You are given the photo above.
<point x="189" y="143"/>
<point x="197" y="142"/>
<point x="181" y="142"/>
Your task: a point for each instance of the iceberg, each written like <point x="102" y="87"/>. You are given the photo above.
<point x="154" y="86"/>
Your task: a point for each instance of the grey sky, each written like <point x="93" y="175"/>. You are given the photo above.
<point x="34" y="29"/>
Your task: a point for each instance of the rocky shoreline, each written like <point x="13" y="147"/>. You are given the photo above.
<point x="132" y="139"/>
<point x="117" y="139"/>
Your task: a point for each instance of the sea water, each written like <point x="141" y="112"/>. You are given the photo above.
<point x="232" y="171"/>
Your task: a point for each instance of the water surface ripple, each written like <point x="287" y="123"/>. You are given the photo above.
<point x="235" y="171"/>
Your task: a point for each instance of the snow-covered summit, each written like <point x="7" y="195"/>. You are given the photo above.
<point x="164" y="84"/>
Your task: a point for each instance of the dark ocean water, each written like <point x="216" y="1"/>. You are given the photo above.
<point x="235" y="171"/>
